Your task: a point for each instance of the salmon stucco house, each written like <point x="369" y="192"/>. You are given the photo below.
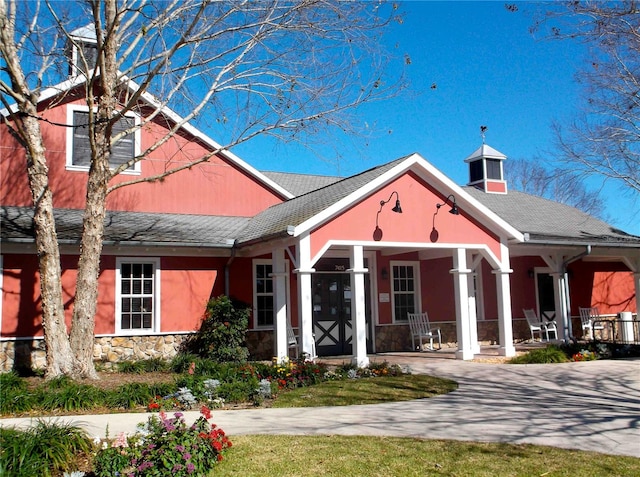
<point x="342" y="260"/>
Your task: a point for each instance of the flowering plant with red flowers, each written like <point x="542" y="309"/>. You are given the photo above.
<point x="167" y="446"/>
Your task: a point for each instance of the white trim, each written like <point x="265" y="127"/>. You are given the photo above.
<point x="71" y="109"/>
<point x="431" y="175"/>
<point x="155" y="327"/>
<point x="417" y="292"/>
<point x="482" y="248"/>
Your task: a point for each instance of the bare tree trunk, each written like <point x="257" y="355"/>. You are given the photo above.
<point x="83" y="322"/>
<point x="58" y="350"/>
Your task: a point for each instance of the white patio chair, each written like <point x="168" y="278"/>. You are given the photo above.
<point x="589" y="318"/>
<point x="536" y="325"/>
<point x="292" y="342"/>
<point x="422" y="330"/>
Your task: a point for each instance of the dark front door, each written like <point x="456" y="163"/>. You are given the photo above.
<point x="546" y="297"/>
<point x="332" y="313"/>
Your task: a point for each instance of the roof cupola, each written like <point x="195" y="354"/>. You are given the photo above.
<point x="486" y="171"/>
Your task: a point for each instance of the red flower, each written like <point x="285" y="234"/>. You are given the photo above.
<point x="206" y="412"/>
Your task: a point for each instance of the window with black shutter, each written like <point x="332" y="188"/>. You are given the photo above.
<point x="121" y="152"/>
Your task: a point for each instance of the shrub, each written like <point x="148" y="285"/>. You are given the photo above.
<point x="143" y="366"/>
<point x="69" y="396"/>
<point x="130" y="395"/>
<point x="165" y="446"/>
<point x="42" y="450"/>
<point x="550" y="354"/>
<point x="222" y="332"/>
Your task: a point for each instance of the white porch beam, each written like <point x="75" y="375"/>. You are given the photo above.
<point x="280" y="304"/>
<point x="358" y="316"/>
<point x="461" y="291"/>
<point x="305" y="303"/>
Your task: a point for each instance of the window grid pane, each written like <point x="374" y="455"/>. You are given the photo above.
<point x="404" y="298"/>
<point x="264" y="295"/>
<point x="137" y="296"/>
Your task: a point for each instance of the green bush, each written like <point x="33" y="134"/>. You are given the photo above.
<point x="44" y="450"/>
<point x="69" y="396"/>
<point x="550" y="354"/>
<point x="222" y="333"/>
<point x="143" y="366"/>
<point x="130" y="395"/>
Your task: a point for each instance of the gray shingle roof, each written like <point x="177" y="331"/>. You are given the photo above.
<point x="275" y="220"/>
<point x="299" y="184"/>
<point x="547" y="220"/>
<point x="129" y="228"/>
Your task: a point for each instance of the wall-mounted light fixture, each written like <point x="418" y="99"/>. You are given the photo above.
<point x="397" y="209"/>
<point x="384" y="274"/>
<point x="451" y="199"/>
<point x="531" y="273"/>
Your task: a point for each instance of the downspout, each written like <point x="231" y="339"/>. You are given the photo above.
<point x="227" y="266"/>
<point x="568" y="328"/>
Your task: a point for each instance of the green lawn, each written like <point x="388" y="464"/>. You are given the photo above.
<point x="366" y="391"/>
<point x="343" y="456"/>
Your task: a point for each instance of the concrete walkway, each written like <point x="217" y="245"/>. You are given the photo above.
<point x="591" y="406"/>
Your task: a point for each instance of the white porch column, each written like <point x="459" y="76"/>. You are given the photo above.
<point x="280" y="305"/>
<point x="461" y="291"/>
<point x="358" y="315"/>
<point x="559" y="292"/>
<point x="636" y="279"/>
<point x="305" y="302"/>
<point x="473" y="315"/>
<point x="505" y="319"/>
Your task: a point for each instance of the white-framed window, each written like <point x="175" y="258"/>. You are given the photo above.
<point x="79" y="148"/>
<point x="137" y="295"/>
<point x="263" y="294"/>
<point x="405" y="289"/>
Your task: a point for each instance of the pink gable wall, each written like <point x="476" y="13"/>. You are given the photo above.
<point x="415" y="224"/>
<point x="216" y="188"/>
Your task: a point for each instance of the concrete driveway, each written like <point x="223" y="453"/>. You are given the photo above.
<point x="591" y="406"/>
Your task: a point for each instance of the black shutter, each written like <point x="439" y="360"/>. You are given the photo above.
<point x="81" y="147"/>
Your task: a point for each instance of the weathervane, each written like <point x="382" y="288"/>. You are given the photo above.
<point x="483" y="129"/>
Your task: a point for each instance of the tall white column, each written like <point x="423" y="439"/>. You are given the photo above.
<point x="636" y="279"/>
<point x="280" y="305"/>
<point x="305" y="302"/>
<point x="358" y="315"/>
<point x="460" y="274"/>
<point x="473" y="315"/>
<point x="562" y="318"/>
<point x="505" y="319"/>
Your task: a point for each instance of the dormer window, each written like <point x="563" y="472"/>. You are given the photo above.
<point x="82" y="51"/>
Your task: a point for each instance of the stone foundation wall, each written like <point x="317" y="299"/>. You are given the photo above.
<point x="107" y="350"/>
<point x="260" y="344"/>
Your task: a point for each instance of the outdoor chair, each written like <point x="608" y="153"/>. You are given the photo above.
<point x="292" y="342"/>
<point x="536" y="325"/>
<point x="422" y="330"/>
<point x="589" y="317"/>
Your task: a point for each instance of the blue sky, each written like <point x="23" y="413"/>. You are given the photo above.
<point x="488" y="70"/>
